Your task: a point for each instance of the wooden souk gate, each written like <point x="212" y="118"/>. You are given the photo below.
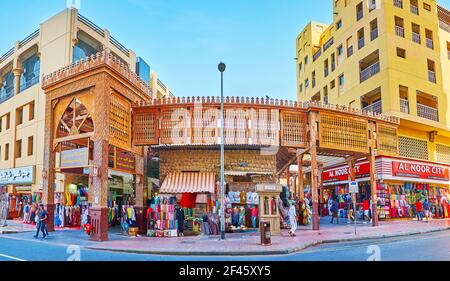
<point x="88" y="111"/>
<point x="293" y="130"/>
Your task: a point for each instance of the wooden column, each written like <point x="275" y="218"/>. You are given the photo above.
<point x="48" y="172"/>
<point x="288" y="178"/>
<point x="352" y="177"/>
<point x="139" y="204"/>
<point x="373" y="175"/>
<point x="300" y="177"/>
<point x="294" y="187"/>
<point x="314" y="169"/>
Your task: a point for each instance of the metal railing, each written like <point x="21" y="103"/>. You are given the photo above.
<point x="415" y="10"/>
<point x="161" y="84"/>
<point x="92" y="25"/>
<point x="398" y="3"/>
<point x="29" y="38"/>
<point x="427" y="112"/>
<point x="328" y="44"/>
<point x="430" y="43"/>
<point x="400" y="31"/>
<point x="360" y="42"/>
<point x="119" y="46"/>
<point x="404" y="106"/>
<point x="7" y="54"/>
<point x="374" y="34"/>
<point x="6" y="94"/>
<point x="369" y="71"/>
<point x="416" y="37"/>
<point x="431" y="76"/>
<point x="375" y="107"/>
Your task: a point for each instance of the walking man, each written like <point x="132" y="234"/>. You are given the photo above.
<point x="426" y="209"/>
<point x="334" y="210"/>
<point x="292" y="219"/>
<point x="42" y="222"/>
<point x="419" y="213"/>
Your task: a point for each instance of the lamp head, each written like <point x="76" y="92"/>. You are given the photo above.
<point x="221" y="67"/>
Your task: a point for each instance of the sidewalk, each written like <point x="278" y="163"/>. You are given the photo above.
<point x="241" y="244"/>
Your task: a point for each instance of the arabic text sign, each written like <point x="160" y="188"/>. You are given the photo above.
<point x="23" y="175"/>
<point x="75" y="158"/>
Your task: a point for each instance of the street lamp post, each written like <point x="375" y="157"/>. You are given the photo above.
<point x="222" y="67"/>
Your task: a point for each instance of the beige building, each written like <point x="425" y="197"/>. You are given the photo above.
<point x="61" y="40"/>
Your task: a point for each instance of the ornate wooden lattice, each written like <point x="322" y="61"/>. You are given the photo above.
<point x="443" y="153"/>
<point x="236" y="126"/>
<point x="343" y="133"/>
<point x="120" y="122"/>
<point x="293" y="129"/>
<point x="174" y="126"/>
<point x="145" y="127"/>
<point x="204" y="129"/>
<point x="413" y="148"/>
<point x="264" y="129"/>
<point x="387" y="140"/>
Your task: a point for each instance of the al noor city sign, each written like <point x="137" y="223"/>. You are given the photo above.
<point x="418" y="170"/>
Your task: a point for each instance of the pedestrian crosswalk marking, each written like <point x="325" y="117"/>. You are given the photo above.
<point x="10" y="257"/>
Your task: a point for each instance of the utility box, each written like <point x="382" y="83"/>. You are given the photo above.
<point x="266" y="237"/>
<point x="269" y="195"/>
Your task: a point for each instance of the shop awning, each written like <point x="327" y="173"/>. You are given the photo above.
<point x="245" y="173"/>
<point x="189" y="182"/>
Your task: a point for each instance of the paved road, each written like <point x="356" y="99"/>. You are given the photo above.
<point x="427" y="247"/>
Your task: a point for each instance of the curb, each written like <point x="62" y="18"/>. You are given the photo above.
<point x="266" y="252"/>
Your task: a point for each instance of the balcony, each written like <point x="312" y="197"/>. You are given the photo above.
<point x="360" y="42"/>
<point x="416" y="37"/>
<point x="31" y="80"/>
<point x="400" y="31"/>
<point x="427" y="112"/>
<point x="374" y="107"/>
<point x="430" y="43"/>
<point x="374" y="34"/>
<point x="415" y="10"/>
<point x="398" y="4"/>
<point x="369" y="71"/>
<point x="404" y="106"/>
<point x="431" y="76"/>
<point x="6" y="94"/>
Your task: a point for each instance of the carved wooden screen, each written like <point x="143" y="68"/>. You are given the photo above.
<point x="387" y="140"/>
<point x="204" y="122"/>
<point x="120" y="122"/>
<point x="293" y="129"/>
<point x="174" y="126"/>
<point x="265" y="126"/>
<point x="343" y="133"/>
<point x="145" y="126"/>
<point x="236" y="126"/>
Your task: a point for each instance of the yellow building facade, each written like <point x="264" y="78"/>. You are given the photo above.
<point x="384" y="56"/>
<point x="61" y="40"/>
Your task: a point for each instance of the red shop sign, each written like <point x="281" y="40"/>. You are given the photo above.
<point x="342" y="173"/>
<point x="420" y="171"/>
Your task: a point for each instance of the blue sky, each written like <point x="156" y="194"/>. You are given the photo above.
<point x="184" y="40"/>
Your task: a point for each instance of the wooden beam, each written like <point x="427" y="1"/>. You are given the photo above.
<point x="314" y="168"/>
<point x="373" y="174"/>
<point x="73" y="137"/>
<point x="300" y="177"/>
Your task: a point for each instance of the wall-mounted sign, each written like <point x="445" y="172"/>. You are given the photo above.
<point x="418" y="170"/>
<point x="23" y="175"/>
<point x="353" y="187"/>
<point x="362" y="170"/>
<point x="75" y="158"/>
<point x="125" y="161"/>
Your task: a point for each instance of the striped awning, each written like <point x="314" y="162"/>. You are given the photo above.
<point x="189" y="182"/>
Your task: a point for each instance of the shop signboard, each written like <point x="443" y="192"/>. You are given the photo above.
<point x="22" y="175"/>
<point x="125" y="161"/>
<point x="419" y="171"/>
<point x="75" y="158"/>
<point x="341" y="174"/>
<point x="353" y="187"/>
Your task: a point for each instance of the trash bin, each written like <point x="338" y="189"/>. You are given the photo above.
<point x="266" y="239"/>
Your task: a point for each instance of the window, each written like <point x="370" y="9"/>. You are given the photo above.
<point x="359" y="11"/>
<point x="18" y="148"/>
<point x="306" y="84"/>
<point x="414" y="7"/>
<point x="333" y="62"/>
<point x="372" y="5"/>
<point x="443" y="153"/>
<point x="301" y="88"/>
<point x="399" y="27"/>
<point x="19" y="116"/>
<point x="431" y="71"/>
<point x="339" y="24"/>
<point x="429" y="38"/>
<point x="306" y="60"/>
<point x="340" y="52"/>
<point x="1" y="124"/>
<point x="325" y="68"/>
<point x="143" y="70"/>
<point x="349" y="47"/>
<point x="341" y="83"/>
<point x="416" y="33"/>
<point x="300" y="66"/>
<point x="30" y="146"/>
<point x="427" y="7"/>
<point x="314" y="79"/>
<point x="361" y="38"/>
<point x="413" y="148"/>
<point x="31" y="111"/>
<point x="401" y="53"/>
<point x="7" y="151"/>
<point x="332" y="84"/>
<point x="373" y="29"/>
<point x="398" y="4"/>
<point x="30" y="74"/>
<point x="448" y="50"/>
<point x="83" y="49"/>
<point x="8" y="121"/>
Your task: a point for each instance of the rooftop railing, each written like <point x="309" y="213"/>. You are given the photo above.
<point x="374" y="107"/>
<point x="92" y="25"/>
<point x="369" y="71"/>
<point x="29" y="38"/>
